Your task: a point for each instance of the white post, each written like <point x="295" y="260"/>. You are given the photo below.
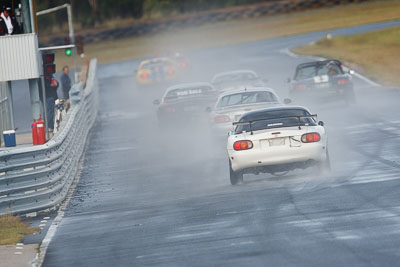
<point x="10" y="105"/>
<point x="72" y="40"/>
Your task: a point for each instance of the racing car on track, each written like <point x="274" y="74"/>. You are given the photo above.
<point x="182" y="61"/>
<point x="322" y="79"/>
<point x="156" y="70"/>
<point x="276" y="140"/>
<point x="237" y="79"/>
<point x="231" y="105"/>
<point x="185" y="103"/>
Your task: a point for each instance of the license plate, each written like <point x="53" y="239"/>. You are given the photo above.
<point x="276" y="142"/>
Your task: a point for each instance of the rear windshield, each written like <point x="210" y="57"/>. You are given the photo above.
<point x="157" y="64"/>
<point x="310" y="71"/>
<point x="275" y="119"/>
<point x="189" y="92"/>
<point x="246" y="98"/>
<point x="235" y="77"/>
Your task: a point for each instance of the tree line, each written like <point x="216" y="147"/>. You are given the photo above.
<point x="89" y="13"/>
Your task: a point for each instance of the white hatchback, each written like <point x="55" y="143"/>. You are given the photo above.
<point x="231" y="105"/>
<point x="236" y="79"/>
<point x="276" y="140"/>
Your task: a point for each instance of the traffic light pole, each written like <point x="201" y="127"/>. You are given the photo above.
<point x="72" y="38"/>
<point x="44" y="99"/>
<point x="71" y="32"/>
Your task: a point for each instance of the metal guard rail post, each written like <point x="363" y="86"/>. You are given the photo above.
<point x="38" y="178"/>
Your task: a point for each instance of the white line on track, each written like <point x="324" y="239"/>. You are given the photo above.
<point x="57" y="220"/>
<point x="365" y="79"/>
<point x="287" y="52"/>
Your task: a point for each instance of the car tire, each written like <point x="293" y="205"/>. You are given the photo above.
<point x="235" y="177"/>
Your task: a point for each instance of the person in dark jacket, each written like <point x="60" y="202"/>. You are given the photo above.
<point x="8" y="23"/>
<point x="51" y="86"/>
<point x="65" y="82"/>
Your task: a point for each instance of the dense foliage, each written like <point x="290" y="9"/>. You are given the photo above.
<point x="91" y="12"/>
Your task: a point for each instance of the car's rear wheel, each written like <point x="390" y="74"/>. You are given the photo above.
<point x="236" y="177"/>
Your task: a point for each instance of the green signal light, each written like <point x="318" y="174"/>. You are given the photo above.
<point x="68" y="52"/>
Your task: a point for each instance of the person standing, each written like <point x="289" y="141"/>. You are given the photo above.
<point x="8" y="23"/>
<point x="65" y="82"/>
<point x="50" y="85"/>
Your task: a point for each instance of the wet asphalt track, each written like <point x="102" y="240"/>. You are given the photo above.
<point x="148" y="197"/>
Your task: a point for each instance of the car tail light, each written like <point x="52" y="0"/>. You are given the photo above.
<point x="170" y="72"/>
<point x="343" y="81"/>
<point x="300" y="86"/>
<point x="310" y="137"/>
<point x="221" y="119"/>
<point x="144" y="75"/>
<point x="243" y="145"/>
<point x="169" y="109"/>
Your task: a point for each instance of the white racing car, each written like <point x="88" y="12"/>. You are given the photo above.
<point x="232" y="105"/>
<point x="276" y="140"/>
<point x="237" y="79"/>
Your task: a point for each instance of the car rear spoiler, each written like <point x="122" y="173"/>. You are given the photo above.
<point x="286" y="117"/>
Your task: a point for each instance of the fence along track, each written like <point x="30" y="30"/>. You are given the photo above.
<point x="38" y="178"/>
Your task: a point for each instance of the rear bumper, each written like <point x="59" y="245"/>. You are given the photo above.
<point x="274" y="157"/>
<point x="337" y="92"/>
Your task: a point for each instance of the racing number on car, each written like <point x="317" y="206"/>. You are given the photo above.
<point x="321" y="79"/>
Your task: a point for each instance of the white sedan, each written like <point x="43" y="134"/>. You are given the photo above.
<point x="276" y="140"/>
<point x="236" y="79"/>
<point x="231" y="105"/>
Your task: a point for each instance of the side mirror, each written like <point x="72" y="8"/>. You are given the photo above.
<point x="352" y="72"/>
<point x="231" y="133"/>
<point x="156" y="102"/>
<point x="208" y="109"/>
<point x="287" y="101"/>
<point x="321" y="123"/>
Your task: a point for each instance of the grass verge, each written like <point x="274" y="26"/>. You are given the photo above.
<point x="238" y="31"/>
<point x="373" y="54"/>
<point x="12" y="230"/>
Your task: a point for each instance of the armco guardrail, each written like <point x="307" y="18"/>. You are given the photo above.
<point x="267" y="8"/>
<point x="39" y="177"/>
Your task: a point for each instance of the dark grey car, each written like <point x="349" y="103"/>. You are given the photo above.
<point x="322" y="80"/>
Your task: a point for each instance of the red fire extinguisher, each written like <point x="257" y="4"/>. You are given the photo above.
<point x="41" y="135"/>
<point x="34" y="133"/>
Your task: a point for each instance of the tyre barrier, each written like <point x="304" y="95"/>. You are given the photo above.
<point x="38" y="178"/>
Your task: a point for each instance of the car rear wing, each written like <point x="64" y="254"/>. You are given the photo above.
<point x="276" y="118"/>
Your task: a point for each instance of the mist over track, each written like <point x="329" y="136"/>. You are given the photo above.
<point x="148" y="197"/>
